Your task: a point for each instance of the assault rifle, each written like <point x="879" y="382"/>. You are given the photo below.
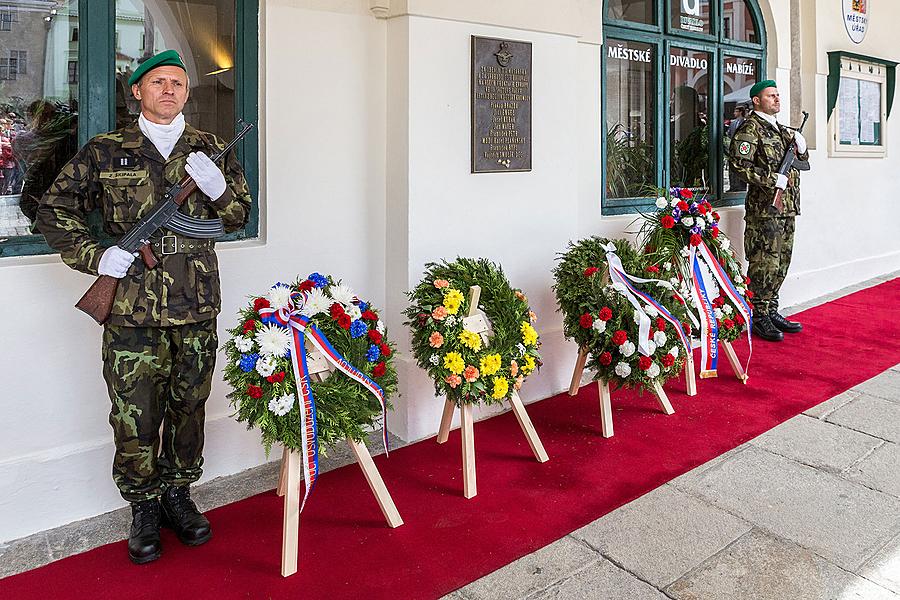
<point x="98" y="300"/>
<point x="790" y="161"/>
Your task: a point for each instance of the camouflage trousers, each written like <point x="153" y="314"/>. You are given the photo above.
<point x="158" y="377"/>
<point x="768" y="243"/>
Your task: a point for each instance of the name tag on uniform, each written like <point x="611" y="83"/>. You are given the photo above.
<point x="125" y="174"/>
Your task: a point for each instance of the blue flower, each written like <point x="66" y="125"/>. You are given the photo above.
<point x="373" y="354"/>
<point x="248" y="362"/>
<point x="363" y="306"/>
<point x="318" y="279"/>
<point x="676" y="214"/>
<point x="696" y="229"/>
<point x="694" y="209"/>
<point x="358" y="329"/>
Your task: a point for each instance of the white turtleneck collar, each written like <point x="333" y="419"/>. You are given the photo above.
<point x="164" y="137"/>
<point x="770" y="119"/>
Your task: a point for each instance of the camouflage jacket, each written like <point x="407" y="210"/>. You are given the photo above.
<point x="755" y="155"/>
<point x="122" y="174"/>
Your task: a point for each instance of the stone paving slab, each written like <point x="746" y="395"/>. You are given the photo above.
<point x="817" y="443"/>
<point x="880" y="470"/>
<point x="884" y="568"/>
<point x="886" y="385"/>
<point x="532" y="573"/>
<point x="762" y="567"/>
<point x="603" y="581"/>
<point x="18" y="556"/>
<point x="820" y="411"/>
<point x="662" y="535"/>
<point x="875" y="416"/>
<point x="842" y="521"/>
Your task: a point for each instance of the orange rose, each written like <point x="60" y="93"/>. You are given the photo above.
<point x="436" y="340"/>
<point x="471" y="373"/>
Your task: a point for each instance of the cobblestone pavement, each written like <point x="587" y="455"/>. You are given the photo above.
<point x="12" y="221"/>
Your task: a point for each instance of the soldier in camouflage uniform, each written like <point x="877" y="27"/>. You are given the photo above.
<point x="160" y="341"/>
<point x="756" y="152"/>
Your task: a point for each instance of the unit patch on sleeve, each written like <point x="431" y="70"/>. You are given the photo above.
<point x="744" y="148"/>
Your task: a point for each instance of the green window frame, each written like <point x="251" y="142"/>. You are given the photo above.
<point x="663" y="37"/>
<point x="96" y="100"/>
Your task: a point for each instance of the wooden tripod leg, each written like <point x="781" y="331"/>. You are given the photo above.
<point x="606" y="420"/>
<point x="446" y="420"/>
<point x="282" y="473"/>
<point x="735" y="363"/>
<point x="579" y="369"/>
<point x="528" y="428"/>
<point x="690" y="377"/>
<point x="470" y="489"/>
<point x="663" y="400"/>
<point x="376" y="483"/>
<point x="290" y="534"/>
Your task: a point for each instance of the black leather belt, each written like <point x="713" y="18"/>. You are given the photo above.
<point x="176" y="244"/>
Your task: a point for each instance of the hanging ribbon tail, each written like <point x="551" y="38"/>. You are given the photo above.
<point x="616" y="270"/>
<point x="709" y="329"/>
<point x="731" y="291"/>
<point x="309" y="438"/>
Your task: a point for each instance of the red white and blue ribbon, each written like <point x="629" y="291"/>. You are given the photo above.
<point x="302" y="329"/>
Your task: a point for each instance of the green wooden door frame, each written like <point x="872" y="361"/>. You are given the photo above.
<point x="663" y="38"/>
<point x="96" y="98"/>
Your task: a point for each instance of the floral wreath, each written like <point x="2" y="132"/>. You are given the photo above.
<point x="598" y="316"/>
<point x="683" y="222"/>
<point x="466" y="368"/>
<point x="260" y="372"/>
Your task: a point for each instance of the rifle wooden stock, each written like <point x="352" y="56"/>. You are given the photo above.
<point x="98" y="300"/>
<point x="777" y="203"/>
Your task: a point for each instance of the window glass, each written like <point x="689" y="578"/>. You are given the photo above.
<point x="737" y="22"/>
<point x="202" y="31"/>
<point x="637" y="11"/>
<point x="738" y="76"/>
<point x="859" y="103"/>
<point x="630" y="118"/>
<point x="689" y="119"/>
<point x="38" y="105"/>
<point x="690" y="15"/>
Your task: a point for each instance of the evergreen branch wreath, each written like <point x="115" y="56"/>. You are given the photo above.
<point x="464" y="368"/>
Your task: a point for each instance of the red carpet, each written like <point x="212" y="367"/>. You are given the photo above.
<point x="347" y="551"/>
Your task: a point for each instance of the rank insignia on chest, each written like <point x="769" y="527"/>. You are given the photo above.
<point x="124" y="161"/>
<point x="744" y="148"/>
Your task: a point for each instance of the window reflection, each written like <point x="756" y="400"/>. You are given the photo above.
<point x="636" y="11"/>
<point x="689" y="118"/>
<point x="738" y="22"/>
<point x="690" y="16"/>
<point x="738" y="76"/>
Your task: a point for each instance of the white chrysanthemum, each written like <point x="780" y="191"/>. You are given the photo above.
<point x="281" y="405"/>
<point x="265" y="366"/>
<point x="521" y="348"/>
<point x="674" y="202"/>
<point x="243" y="344"/>
<point x="699" y="222"/>
<point x="651" y="311"/>
<point x="636" y="317"/>
<point x="660" y="338"/>
<point x="316" y="302"/>
<point x="434" y="359"/>
<point x="343" y="294"/>
<point x="623" y="370"/>
<point x="687" y="221"/>
<point x="273" y="340"/>
<point x="653" y="371"/>
<point x="599" y="325"/>
<point x="741" y="290"/>
<point x="717" y="313"/>
<point x="651" y="347"/>
<point x="667" y="266"/>
<point x="724" y="242"/>
<point x="380" y="325"/>
<point x="685" y="252"/>
<point x="354" y="312"/>
<point x="674" y="351"/>
<point x="727" y="309"/>
<point x="280" y="296"/>
<point x="661" y="202"/>
<point x="627" y="349"/>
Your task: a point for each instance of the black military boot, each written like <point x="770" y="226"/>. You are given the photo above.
<point x="783" y="324"/>
<point x="143" y="539"/>
<point x="180" y="514"/>
<point x="764" y="327"/>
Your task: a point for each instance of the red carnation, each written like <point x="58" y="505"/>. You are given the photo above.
<point x="260" y="303"/>
<point x="605" y="359"/>
<point x="668" y="360"/>
<point x="716" y="216"/>
<point x="368" y="315"/>
<point x="687" y="328"/>
<point x="605" y="314"/>
<point x="739" y="319"/>
<point x="385" y="350"/>
<point x="254" y="391"/>
<point x="683" y="206"/>
<point x="660" y="324"/>
<point x="746" y="280"/>
<point x="276" y="377"/>
<point x="714" y="232"/>
<point x="619" y="337"/>
<point x="249" y="325"/>
<point x="685" y="193"/>
<point x="653" y="269"/>
<point x="344" y="321"/>
<point x="749" y="293"/>
<point x="702" y="209"/>
<point x="696" y="239"/>
<point x="667" y="222"/>
<point x="336" y="310"/>
<point x="379" y="369"/>
<point x="644" y="362"/>
<point x="307" y="285"/>
<point x="590" y="271"/>
<point x="586" y="320"/>
<point x="728" y="323"/>
<point x="375" y="336"/>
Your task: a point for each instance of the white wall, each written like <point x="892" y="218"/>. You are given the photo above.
<point x="365" y="137"/>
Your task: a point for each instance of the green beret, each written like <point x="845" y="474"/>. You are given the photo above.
<point x="164" y="58"/>
<point x="759" y="86"/>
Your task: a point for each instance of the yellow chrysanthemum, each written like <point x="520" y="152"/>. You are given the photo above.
<point x="529" y="335"/>
<point x="452" y="300"/>
<point x="529" y="365"/>
<point x="454" y="362"/>
<point x="490" y="364"/>
<point x="501" y="388"/>
<point x="470" y="339"/>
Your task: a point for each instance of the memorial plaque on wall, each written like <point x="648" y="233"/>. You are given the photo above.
<point x="501" y="105"/>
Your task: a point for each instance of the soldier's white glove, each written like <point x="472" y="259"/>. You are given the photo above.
<point x="781" y="182"/>
<point x="208" y="176"/>
<point x="115" y="262"/>
<point x="800" y="141"/>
